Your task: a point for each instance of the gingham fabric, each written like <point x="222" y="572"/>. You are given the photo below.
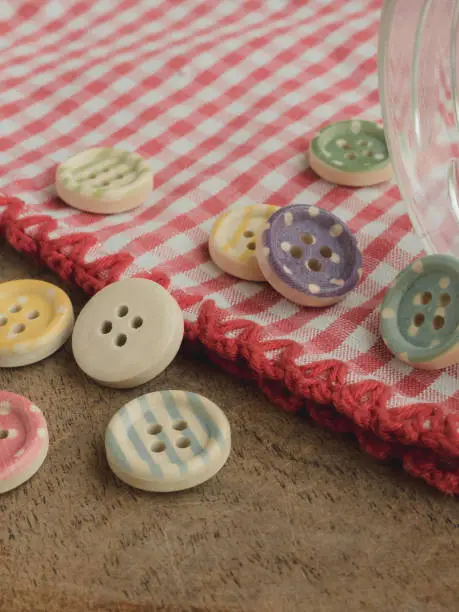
<point x="221" y="98"/>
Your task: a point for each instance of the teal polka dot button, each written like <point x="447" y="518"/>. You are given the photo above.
<point x="420" y="313"/>
<point x="351" y="153"/>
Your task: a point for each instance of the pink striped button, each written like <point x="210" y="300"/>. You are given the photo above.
<point x="23" y="440"/>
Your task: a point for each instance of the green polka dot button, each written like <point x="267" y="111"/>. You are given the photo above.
<point x="420" y="313"/>
<point x="351" y="153"/>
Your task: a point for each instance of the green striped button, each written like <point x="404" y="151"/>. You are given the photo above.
<point x="420" y="313"/>
<point x="104" y="180"/>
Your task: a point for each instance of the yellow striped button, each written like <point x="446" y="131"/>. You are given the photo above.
<point x="36" y="318"/>
<point x="232" y="240"/>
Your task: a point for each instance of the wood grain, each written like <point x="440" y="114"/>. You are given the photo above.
<point x="298" y="519"/>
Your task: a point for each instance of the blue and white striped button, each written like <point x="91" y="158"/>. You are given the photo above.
<point x="167" y="441"/>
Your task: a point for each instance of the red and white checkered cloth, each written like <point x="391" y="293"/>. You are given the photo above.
<point x="221" y="98"/>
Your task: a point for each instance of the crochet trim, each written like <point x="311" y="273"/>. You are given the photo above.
<point x="319" y="390"/>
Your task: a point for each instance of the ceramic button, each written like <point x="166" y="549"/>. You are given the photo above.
<point x="23" y="440"/>
<point x="128" y="333"/>
<point x="308" y="255"/>
<point x="104" y="181"/>
<point x="168" y="441"/>
<point x="420" y="313"/>
<point x="232" y="240"/>
<point x="352" y="153"/>
<point x="36" y="318"/>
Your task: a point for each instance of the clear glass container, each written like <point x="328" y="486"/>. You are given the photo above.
<point x="418" y="81"/>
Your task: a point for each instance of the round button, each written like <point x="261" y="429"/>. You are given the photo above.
<point x="168" y="441"/>
<point x="104" y="181"/>
<point x="36" y="319"/>
<point x="308" y="255"/>
<point x="420" y="313"/>
<point x="23" y="440"/>
<point x="351" y="153"/>
<point x="232" y="240"/>
<point x="128" y="333"/>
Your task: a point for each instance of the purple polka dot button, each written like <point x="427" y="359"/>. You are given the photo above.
<point x="308" y="255"/>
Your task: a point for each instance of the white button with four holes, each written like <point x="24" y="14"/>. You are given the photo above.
<point x="128" y="333"/>
<point x="168" y="441"/>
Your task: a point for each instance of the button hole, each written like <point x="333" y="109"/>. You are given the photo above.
<point x="444" y="299"/>
<point x="121" y="340"/>
<point x="363" y="143"/>
<point x="3" y="320"/>
<point x="120" y="176"/>
<point x="438" y="322"/>
<point x="106" y="327"/>
<point x="122" y="311"/>
<point x="326" y="252"/>
<point x="296" y="252"/>
<point x="158" y="447"/>
<point x="308" y="238"/>
<point x="351" y="155"/>
<point x="155" y="429"/>
<point x="314" y="265"/>
<point x="137" y="322"/>
<point x="33" y="315"/>
<point x="426" y="298"/>
<point x="183" y="443"/>
<point x="92" y="176"/>
<point x="180" y="425"/>
<point x="249" y="234"/>
<point x="419" y="319"/>
<point x="251" y="246"/>
<point x="19" y="328"/>
<point x="3" y="434"/>
<point x="105" y="183"/>
<point x="15" y="308"/>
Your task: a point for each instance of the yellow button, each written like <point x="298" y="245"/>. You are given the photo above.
<point x="232" y="240"/>
<point x="36" y="319"/>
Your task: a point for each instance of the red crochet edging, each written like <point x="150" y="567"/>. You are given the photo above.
<point x="319" y="390"/>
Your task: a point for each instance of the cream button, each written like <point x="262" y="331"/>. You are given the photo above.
<point x="128" y="333"/>
<point x="36" y="318"/>
<point x="168" y="441"/>
<point x="23" y="440"/>
<point x="104" y="181"/>
<point x="232" y="240"/>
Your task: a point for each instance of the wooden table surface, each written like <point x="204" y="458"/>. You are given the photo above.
<point x="299" y="519"/>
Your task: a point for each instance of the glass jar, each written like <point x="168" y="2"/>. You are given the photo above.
<point x="418" y="81"/>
